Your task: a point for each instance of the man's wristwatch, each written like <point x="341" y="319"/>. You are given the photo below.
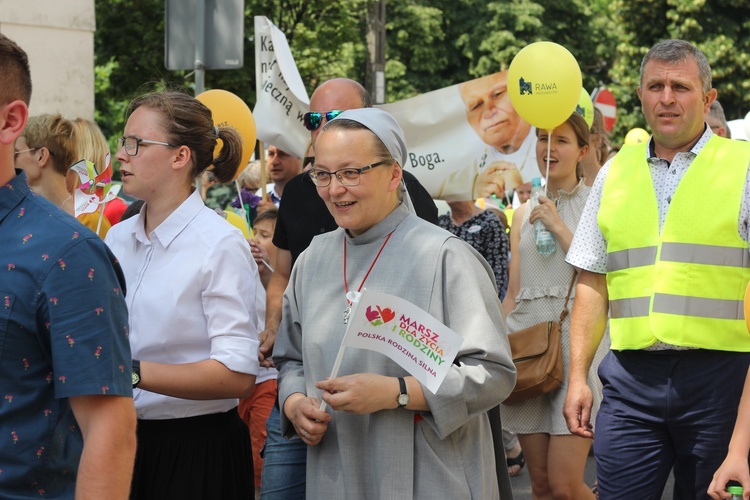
<point x="403" y="397"/>
<point x="136" y="375"/>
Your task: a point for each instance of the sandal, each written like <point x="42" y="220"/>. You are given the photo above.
<point x="518" y="460"/>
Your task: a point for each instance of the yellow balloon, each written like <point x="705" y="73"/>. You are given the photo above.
<point x="585" y="107"/>
<point x="228" y="110"/>
<point x="636" y="136"/>
<point x="239" y="222"/>
<point x="544" y="84"/>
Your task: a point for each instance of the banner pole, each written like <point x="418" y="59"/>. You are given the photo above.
<point x="263" y="181"/>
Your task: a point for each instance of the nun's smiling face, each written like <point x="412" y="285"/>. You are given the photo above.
<point x="365" y="198"/>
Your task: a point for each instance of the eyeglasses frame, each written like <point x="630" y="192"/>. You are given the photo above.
<point x="138" y="142"/>
<point x="16" y="153"/>
<point x="314" y="172"/>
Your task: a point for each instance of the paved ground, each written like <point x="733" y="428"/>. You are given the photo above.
<point x="522" y="485"/>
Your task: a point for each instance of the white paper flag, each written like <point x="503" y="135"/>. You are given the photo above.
<point x="411" y="337"/>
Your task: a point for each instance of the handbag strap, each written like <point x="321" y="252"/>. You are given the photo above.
<point x="564" y="312"/>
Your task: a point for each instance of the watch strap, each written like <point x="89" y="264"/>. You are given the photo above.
<point x="137" y="371"/>
<point x="402" y="391"/>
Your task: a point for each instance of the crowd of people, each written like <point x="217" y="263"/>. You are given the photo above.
<point x="162" y="353"/>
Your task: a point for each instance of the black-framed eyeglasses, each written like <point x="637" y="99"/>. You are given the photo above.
<point x="346" y="176"/>
<point x="131" y="144"/>
<point x="314" y="119"/>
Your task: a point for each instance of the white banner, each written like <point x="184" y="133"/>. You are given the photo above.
<point x="411" y="337"/>
<point x="281" y="98"/>
<point x="465" y="141"/>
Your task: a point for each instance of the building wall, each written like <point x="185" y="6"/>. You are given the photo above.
<point x="58" y="36"/>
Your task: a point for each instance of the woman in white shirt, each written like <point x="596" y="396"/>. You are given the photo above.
<point x="191" y="297"/>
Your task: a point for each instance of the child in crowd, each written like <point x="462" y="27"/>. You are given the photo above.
<point x="255" y="409"/>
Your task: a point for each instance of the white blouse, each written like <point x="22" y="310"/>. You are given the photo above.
<point x="191" y="288"/>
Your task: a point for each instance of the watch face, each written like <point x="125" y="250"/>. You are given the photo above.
<point x="403" y="399"/>
<point x="136" y="378"/>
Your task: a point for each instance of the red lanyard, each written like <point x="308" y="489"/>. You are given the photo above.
<point x="348" y="310"/>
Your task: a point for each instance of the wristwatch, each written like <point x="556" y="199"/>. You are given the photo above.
<point x="136" y="375"/>
<point x="403" y="397"/>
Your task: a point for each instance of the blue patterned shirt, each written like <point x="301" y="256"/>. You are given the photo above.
<point x="63" y="333"/>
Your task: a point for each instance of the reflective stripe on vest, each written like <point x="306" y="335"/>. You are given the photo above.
<point x="677" y="304"/>
<point x="698" y="306"/>
<point x="631" y="257"/>
<point x="629" y="308"/>
<point x="683" y="285"/>
<point x="710" y="255"/>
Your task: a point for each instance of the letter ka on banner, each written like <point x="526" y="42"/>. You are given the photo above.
<point x="411" y="337"/>
<point x="281" y="96"/>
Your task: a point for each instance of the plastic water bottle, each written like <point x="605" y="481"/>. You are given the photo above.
<point x="545" y="242"/>
<point x="736" y="492"/>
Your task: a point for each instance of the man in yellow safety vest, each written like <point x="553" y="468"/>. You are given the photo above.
<point x="672" y="277"/>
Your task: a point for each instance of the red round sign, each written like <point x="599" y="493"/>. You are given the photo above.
<point x="605" y="102"/>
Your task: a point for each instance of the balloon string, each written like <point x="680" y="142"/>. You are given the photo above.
<point x="549" y="145"/>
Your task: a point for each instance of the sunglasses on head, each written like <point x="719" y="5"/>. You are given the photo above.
<point x="314" y="119"/>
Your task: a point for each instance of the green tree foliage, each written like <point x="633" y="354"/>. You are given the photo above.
<point x="414" y="66"/>
<point x="581" y="27"/>
<point x="325" y="38"/>
<point x="720" y="28"/>
<point x="432" y="44"/>
<point x="436" y="44"/>
<point x="129" y="57"/>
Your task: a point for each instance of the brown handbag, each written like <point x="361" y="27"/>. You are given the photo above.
<point x="537" y="354"/>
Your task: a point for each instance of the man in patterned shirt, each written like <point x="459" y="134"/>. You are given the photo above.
<point x="67" y="421"/>
<point x="672" y="277"/>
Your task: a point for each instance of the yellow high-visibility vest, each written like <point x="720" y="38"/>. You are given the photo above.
<point x="686" y="285"/>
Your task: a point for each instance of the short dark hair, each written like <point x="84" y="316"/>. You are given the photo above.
<point x="365" y="96"/>
<point x="15" y="75"/>
<point x="676" y="51"/>
<point x="271" y="214"/>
